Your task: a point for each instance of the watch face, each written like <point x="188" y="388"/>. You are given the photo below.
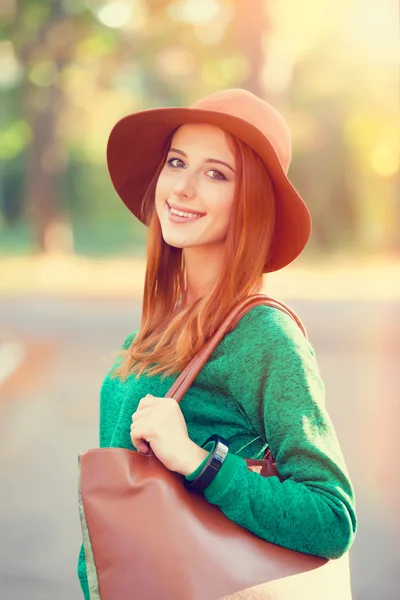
<point x="221" y="450"/>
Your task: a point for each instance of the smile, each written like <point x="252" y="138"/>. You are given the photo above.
<point x="181" y="216"/>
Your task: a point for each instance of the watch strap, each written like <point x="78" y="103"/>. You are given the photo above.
<point x="212" y="465"/>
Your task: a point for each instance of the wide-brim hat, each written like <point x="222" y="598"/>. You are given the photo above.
<point x="137" y="143"/>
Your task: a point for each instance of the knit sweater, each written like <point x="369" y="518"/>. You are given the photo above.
<point x="261" y="387"/>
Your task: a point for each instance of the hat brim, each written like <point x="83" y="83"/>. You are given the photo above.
<point x="135" y="149"/>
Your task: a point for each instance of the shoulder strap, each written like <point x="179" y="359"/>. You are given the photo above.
<point x="193" y="368"/>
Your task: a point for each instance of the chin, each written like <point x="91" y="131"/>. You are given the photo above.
<point x="175" y="243"/>
<point x="173" y="240"/>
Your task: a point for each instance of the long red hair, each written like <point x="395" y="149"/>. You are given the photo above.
<point x="170" y="336"/>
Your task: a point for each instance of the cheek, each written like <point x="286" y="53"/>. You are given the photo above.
<point x="223" y="212"/>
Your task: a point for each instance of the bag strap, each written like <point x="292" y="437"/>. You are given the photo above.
<point x="193" y="368"/>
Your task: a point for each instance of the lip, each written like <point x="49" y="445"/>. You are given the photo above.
<point x="184" y="209"/>
<point x="177" y="219"/>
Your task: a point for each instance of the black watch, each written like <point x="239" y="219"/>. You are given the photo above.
<point x="212" y="466"/>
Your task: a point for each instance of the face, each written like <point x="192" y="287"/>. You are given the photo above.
<point x="195" y="189"/>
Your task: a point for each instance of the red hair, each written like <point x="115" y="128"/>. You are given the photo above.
<point x="168" y="336"/>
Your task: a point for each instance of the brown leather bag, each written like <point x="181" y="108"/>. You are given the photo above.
<point x="147" y="538"/>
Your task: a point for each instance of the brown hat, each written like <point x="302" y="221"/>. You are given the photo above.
<point x="137" y="142"/>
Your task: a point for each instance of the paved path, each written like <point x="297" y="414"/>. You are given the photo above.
<point x="49" y="407"/>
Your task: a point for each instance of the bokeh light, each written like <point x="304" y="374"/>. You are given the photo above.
<point x="72" y="258"/>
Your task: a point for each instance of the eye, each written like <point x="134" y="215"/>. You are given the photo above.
<point x="217" y="175"/>
<point x="172" y="163"/>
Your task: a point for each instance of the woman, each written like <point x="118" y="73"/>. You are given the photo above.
<point x="210" y="182"/>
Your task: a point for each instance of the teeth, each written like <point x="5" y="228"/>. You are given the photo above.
<point x="183" y="214"/>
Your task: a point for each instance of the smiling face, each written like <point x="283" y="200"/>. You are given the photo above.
<point x="195" y="189"/>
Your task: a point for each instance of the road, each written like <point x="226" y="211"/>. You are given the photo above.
<point x="60" y="351"/>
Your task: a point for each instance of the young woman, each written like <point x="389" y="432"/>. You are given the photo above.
<point x="210" y="182"/>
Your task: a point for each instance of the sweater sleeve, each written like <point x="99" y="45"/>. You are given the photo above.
<point x="275" y="379"/>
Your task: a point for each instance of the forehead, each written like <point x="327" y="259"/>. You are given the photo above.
<point x="201" y="137"/>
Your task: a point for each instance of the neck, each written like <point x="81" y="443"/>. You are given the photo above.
<point x="203" y="266"/>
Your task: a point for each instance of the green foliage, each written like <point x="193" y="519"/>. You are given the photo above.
<point x="33" y="14"/>
<point x="69" y="71"/>
<point x="14" y="137"/>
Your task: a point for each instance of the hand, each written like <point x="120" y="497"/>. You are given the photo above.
<point x="160" y="423"/>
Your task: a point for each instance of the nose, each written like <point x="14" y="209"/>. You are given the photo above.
<point x="185" y="186"/>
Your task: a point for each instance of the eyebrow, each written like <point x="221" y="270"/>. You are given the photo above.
<point x="208" y="160"/>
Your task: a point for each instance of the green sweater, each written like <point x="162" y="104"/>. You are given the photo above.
<point x="261" y="386"/>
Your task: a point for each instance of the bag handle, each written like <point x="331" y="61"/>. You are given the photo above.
<point x="193" y="368"/>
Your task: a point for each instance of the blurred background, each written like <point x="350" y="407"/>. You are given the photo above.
<point x="72" y="257"/>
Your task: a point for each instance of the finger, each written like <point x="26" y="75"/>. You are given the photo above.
<point x="142" y="432"/>
<point x="139" y="442"/>
<point x="142" y="447"/>
<point x="148" y="401"/>
<point x="142" y="413"/>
